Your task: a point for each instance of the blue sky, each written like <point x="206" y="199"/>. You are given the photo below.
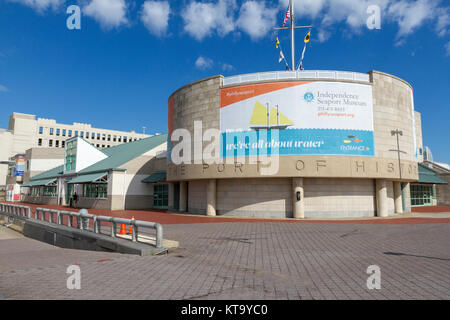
<point x="118" y="71"/>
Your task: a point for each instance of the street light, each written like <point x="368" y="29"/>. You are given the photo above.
<point x="397" y="133"/>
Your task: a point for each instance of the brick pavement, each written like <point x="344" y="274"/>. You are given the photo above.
<point x="258" y="260"/>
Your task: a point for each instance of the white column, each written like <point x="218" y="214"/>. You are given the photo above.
<point x="211" y="198"/>
<point x="382" y="204"/>
<point x="183" y="196"/>
<point x="298" y="198"/>
<point x="398" y="197"/>
<point x="171" y="198"/>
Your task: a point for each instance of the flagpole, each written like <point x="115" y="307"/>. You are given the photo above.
<point x="291" y="4"/>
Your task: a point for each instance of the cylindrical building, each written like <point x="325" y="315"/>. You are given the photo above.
<point x="305" y="144"/>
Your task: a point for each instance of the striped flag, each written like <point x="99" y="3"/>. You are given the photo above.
<point x="286" y="16"/>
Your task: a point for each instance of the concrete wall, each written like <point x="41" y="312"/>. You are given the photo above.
<point x="40" y="200"/>
<point x="42" y="159"/>
<point x="6" y="141"/>
<point x="272" y="197"/>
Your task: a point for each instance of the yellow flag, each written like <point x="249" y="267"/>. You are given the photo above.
<point x="307" y="37"/>
<point x="278" y="43"/>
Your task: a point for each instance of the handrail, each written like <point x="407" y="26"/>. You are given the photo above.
<point x="83" y="218"/>
<point x="300" y="75"/>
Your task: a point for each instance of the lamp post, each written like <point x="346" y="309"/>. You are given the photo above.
<point x="397" y="133"/>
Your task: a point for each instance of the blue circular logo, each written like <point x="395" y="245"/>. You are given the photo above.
<point x="309" y="97"/>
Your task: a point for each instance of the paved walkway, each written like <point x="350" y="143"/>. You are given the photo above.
<point x="165" y="218"/>
<point x="263" y="260"/>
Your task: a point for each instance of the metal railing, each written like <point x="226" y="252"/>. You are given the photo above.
<point x="83" y="220"/>
<point x="304" y="74"/>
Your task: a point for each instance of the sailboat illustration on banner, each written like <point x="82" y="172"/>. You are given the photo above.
<point x="263" y="121"/>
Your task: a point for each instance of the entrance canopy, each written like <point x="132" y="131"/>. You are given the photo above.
<point x="88" y="178"/>
<point x="427" y="175"/>
<point x="42" y="182"/>
<point x="156" y="177"/>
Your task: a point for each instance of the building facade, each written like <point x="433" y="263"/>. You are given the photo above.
<point x="345" y="145"/>
<point x="26" y="131"/>
<point x="110" y="178"/>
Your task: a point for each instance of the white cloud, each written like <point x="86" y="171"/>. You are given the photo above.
<point x="411" y="15"/>
<point x="304" y="8"/>
<point x="202" y="19"/>
<point x="256" y="19"/>
<point x="155" y="16"/>
<point x="41" y="5"/>
<point x="203" y="63"/>
<point x="227" y="67"/>
<point x="443" y="23"/>
<point x="3" y="88"/>
<point x="109" y="13"/>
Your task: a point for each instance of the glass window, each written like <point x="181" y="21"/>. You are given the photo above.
<point x="109" y="137"/>
<point x="76" y="133"/>
<point x="82" y="134"/>
<point x="57" y="143"/>
<point x="50" y="143"/>
<point x="114" y="138"/>
<point x="70" y="133"/>
<point x="98" y="136"/>
<point x="41" y="130"/>
<point x="36" y="191"/>
<point x="50" y="191"/>
<point x="39" y="142"/>
<point x="120" y="138"/>
<point x="95" y="190"/>
<point x="87" y="135"/>
<point x="64" y="132"/>
<point x="125" y="139"/>
<point x="160" y="196"/>
<point x="71" y="154"/>
<point x="103" y="137"/>
<point x="63" y="144"/>
<point x="58" y="131"/>
<point x="51" y="131"/>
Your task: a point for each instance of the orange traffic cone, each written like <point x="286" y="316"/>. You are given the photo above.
<point x="123" y="229"/>
<point x="131" y="227"/>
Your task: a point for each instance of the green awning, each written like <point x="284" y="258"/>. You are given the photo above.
<point x="155" y="177"/>
<point x="426" y="175"/>
<point x="42" y="182"/>
<point x="86" y="178"/>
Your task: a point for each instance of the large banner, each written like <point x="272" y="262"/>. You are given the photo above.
<point x="297" y="118"/>
<point x="19" y="166"/>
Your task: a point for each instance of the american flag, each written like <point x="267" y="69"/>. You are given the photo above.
<point x="286" y="17"/>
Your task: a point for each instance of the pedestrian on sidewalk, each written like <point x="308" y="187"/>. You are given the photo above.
<point x="75" y="199"/>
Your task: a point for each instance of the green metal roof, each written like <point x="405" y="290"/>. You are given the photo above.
<point x="117" y="156"/>
<point x="88" y="177"/>
<point x="52" y="173"/>
<point x="156" y="177"/>
<point x="42" y="182"/>
<point x="426" y="175"/>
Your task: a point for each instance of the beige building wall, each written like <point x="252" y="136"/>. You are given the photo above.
<point x="418" y="120"/>
<point x="39" y="160"/>
<point x="24" y="133"/>
<point x="6" y="142"/>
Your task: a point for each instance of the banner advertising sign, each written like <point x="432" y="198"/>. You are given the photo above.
<point x="297" y="118"/>
<point x="19" y="167"/>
